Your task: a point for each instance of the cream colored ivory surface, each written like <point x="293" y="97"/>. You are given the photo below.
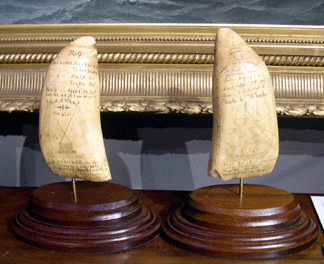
<point x="245" y="132"/>
<point x="69" y="129"/>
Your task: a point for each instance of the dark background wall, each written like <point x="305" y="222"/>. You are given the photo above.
<point x="164" y="152"/>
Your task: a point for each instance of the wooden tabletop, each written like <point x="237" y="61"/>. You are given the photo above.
<point x="157" y="251"/>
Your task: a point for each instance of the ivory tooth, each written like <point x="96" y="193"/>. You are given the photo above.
<point x="245" y="132"/>
<point x="70" y="132"/>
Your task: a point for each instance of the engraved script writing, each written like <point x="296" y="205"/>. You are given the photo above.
<point x="245" y="134"/>
<point x="70" y="131"/>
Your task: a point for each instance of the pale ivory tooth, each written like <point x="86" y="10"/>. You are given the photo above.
<point x="245" y="132"/>
<point x="70" y="132"/>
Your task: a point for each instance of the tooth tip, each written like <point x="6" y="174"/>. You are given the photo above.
<point x="84" y="41"/>
<point x="228" y="36"/>
<point x="224" y="30"/>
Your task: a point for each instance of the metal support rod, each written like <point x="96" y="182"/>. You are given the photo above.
<point x="74" y="190"/>
<point x="241" y="190"/>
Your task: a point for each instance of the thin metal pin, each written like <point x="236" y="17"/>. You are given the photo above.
<point x="74" y="190"/>
<point x="241" y="190"/>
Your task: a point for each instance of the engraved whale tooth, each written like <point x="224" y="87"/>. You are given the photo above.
<point x="245" y="132"/>
<point x="70" y="132"/>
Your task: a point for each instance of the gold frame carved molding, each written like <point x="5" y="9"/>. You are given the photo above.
<point x="163" y="68"/>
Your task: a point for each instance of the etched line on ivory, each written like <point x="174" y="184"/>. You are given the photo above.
<point x="245" y="132"/>
<point x="70" y="132"/>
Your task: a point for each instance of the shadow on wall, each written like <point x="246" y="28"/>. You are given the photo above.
<point x="35" y="172"/>
<point x="164" y="159"/>
<point x="28" y="159"/>
<point x="33" y="169"/>
<point x="167" y="152"/>
<point x="123" y="158"/>
<point x="299" y="167"/>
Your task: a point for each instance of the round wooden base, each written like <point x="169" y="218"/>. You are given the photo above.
<point x="106" y="217"/>
<point x="268" y="223"/>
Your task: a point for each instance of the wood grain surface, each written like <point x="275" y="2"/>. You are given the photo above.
<point x="157" y="251"/>
<point x="267" y="223"/>
<point x="105" y="217"/>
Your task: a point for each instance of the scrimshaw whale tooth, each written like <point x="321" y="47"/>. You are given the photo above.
<point x="70" y="132"/>
<point x="245" y="132"/>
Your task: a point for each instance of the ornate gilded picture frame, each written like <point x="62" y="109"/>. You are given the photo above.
<point x="163" y="68"/>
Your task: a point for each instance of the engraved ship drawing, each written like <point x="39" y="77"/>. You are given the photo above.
<point x="223" y="220"/>
<point x="254" y="140"/>
<point x="245" y="139"/>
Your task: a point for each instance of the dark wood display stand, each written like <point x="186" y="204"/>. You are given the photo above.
<point x="268" y="223"/>
<point x="159" y="250"/>
<point x="106" y="217"/>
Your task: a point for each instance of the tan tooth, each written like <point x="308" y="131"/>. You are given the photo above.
<point x="245" y="132"/>
<point x="69" y="126"/>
